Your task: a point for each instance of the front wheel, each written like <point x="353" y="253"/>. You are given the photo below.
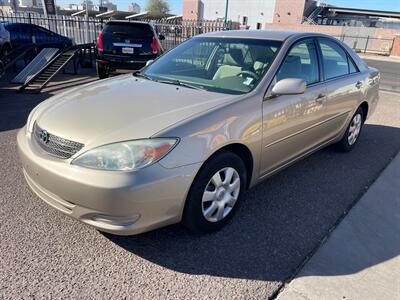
<point x="215" y="193"/>
<point x="352" y="133"/>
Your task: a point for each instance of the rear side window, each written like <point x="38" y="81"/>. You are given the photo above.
<point x="301" y="62"/>
<point x="335" y="60"/>
<point x="129" y="29"/>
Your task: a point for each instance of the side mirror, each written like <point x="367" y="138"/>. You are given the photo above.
<point x="161" y="37"/>
<point x="149" y="62"/>
<point x="289" y="86"/>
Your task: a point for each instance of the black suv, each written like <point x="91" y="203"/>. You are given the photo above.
<point x="126" y="45"/>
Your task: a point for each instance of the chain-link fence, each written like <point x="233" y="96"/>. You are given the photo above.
<point x="368" y="44"/>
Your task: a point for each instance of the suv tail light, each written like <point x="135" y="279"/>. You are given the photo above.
<point x="154" y="46"/>
<point x="100" y="42"/>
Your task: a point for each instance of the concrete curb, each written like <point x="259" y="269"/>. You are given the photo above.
<point x="361" y="258"/>
<point x="380" y="57"/>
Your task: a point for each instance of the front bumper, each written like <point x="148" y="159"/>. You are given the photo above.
<point x="122" y="203"/>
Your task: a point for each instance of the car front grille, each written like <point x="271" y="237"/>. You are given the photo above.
<point x="54" y="145"/>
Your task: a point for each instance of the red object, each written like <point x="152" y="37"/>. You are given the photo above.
<point x="100" y="42"/>
<point x="154" y="45"/>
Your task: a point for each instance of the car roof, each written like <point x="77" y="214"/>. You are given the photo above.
<point x="126" y="22"/>
<point x="265" y="34"/>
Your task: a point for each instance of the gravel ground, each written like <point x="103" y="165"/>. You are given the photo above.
<point x="44" y="254"/>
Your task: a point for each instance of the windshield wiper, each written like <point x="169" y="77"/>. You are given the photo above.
<point x="142" y="75"/>
<point x="181" y="83"/>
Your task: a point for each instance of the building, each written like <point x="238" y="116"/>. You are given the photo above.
<point x="106" y="5"/>
<point x="134" y="8"/>
<point x="250" y="14"/>
<point x="30" y="3"/>
<point x="103" y="6"/>
<point x="344" y="16"/>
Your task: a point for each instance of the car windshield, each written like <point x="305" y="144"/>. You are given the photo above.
<point x="225" y="65"/>
<point x="128" y="29"/>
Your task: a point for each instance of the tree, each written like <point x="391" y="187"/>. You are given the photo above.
<point x="157" y="7"/>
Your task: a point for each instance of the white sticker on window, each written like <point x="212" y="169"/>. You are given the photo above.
<point x="248" y="81"/>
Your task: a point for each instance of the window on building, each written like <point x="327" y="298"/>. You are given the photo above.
<point x="245" y="20"/>
<point x="259" y="26"/>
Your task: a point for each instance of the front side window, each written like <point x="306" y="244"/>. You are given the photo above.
<point x="301" y="62"/>
<point x="226" y="65"/>
<point x="335" y="60"/>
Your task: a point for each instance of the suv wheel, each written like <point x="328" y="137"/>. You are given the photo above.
<point x="215" y="193"/>
<point x="102" y="71"/>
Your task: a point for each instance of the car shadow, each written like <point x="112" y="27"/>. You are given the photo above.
<point x="282" y="220"/>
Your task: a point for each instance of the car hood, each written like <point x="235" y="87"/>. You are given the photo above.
<point x="121" y="108"/>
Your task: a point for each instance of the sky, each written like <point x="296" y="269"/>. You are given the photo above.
<point x="176" y="5"/>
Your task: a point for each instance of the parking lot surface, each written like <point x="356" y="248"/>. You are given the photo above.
<point x="45" y="254"/>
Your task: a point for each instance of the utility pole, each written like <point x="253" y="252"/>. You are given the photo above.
<point x="226" y="15"/>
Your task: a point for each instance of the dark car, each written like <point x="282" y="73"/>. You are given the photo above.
<point x="22" y="34"/>
<point x="127" y="46"/>
<point x="5" y="45"/>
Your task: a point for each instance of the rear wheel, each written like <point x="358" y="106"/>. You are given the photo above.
<point x="102" y="71"/>
<point x="215" y="193"/>
<point x="352" y="133"/>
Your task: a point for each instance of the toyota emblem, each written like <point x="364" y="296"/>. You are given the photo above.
<point x="44" y="136"/>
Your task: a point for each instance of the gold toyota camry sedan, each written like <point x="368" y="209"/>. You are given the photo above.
<point x="182" y="139"/>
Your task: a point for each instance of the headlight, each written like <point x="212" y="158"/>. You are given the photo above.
<point x="126" y="156"/>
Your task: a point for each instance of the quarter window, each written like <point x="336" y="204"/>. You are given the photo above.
<point x="301" y="62"/>
<point x="352" y="67"/>
<point x="335" y="60"/>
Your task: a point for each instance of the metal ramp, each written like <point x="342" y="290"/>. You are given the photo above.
<point x="35" y="65"/>
<point x="41" y="78"/>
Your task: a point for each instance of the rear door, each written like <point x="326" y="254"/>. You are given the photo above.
<point x="128" y="39"/>
<point x="344" y="83"/>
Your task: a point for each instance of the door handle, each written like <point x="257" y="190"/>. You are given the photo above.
<point x="320" y="98"/>
<point x="358" y="84"/>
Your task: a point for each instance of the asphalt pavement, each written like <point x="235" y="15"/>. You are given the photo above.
<point x="45" y="254"/>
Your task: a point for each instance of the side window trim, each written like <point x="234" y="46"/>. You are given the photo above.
<point x="320" y="63"/>
<point x="351" y="61"/>
<point x="303" y="40"/>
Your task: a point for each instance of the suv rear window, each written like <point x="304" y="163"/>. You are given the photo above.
<point x="129" y="29"/>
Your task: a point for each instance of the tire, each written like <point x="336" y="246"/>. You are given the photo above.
<point x="226" y="198"/>
<point x="102" y="72"/>
<point x="353" y="131"/>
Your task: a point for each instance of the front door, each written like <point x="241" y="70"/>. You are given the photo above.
<point x="294" y="124"/>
